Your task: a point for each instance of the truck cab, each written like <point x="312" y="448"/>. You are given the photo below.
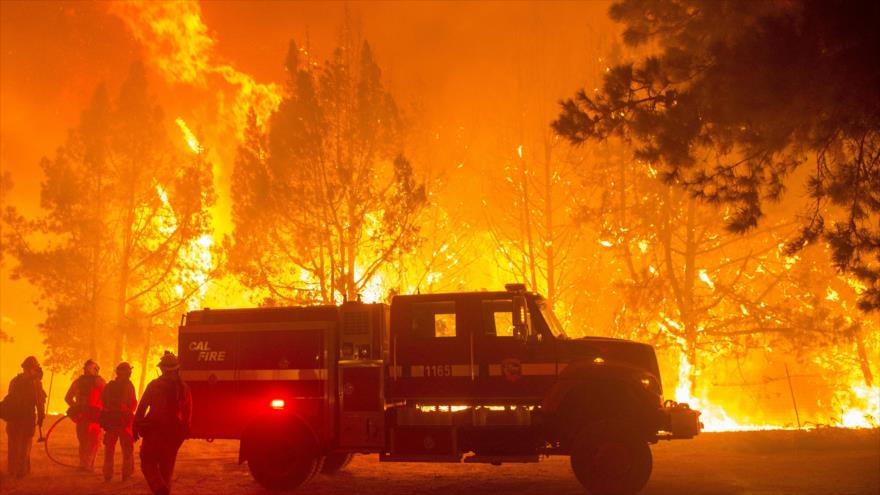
<point x="470" y="377"/>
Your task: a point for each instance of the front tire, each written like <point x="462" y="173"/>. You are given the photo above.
<point x="611" y="461"/>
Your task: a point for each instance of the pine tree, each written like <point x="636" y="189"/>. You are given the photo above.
<point x="741" y="95"/>
<point x="124" y="213"/>
<point x="323" y="198"/>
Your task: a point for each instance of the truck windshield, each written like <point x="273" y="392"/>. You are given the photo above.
<point x="550" y="318"/>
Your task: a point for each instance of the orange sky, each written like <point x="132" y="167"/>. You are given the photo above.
<point x="459" y="63"/>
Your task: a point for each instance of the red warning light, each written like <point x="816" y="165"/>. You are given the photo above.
<point x="277" y="403"/>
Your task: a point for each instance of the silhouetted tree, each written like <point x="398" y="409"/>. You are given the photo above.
<point x="324" y="198"/>
<point x="123" y="233"/>
<point x="740" y="96"/>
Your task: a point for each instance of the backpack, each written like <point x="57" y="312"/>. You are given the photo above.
<point x="111" y="416"/>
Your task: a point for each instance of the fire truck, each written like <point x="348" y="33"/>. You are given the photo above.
<point x="470" y="377"/>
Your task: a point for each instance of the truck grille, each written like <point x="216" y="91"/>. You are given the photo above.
<point x="355" y="322"/>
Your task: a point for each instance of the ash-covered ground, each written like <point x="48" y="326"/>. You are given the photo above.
<point x="826" y="461"/>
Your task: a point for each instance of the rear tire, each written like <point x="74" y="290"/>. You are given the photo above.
<point x="336" y="462"/>
<point x="284" y="461"/>
<point x="611" y="461"/>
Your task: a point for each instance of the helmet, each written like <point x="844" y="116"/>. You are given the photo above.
<point x="123" y="368"/>
<point x="169" y="361"/>
<point x="30" y="362"/>
<point x="90" y="362"/>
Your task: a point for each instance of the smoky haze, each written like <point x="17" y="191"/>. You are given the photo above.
<point x="450" y="65"/>
<point x="477" y="85"/>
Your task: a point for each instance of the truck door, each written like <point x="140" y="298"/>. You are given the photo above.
<point x="515" y="362"/>
<point x="432" y="350"/>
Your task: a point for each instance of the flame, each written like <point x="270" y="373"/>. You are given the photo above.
<point x="706" y="280"/>
<point x="198" y="262"/>
<point x="714" y="417"/>
<point x="859" y="407"/>
<point x="189" y="137"/>
<point x="374" y="291"/>
<point x="180" y="46"/>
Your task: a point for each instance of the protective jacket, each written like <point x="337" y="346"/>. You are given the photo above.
<point x="118" y="403"/>
<point x="170" y="407"/>
<point x="26" y="402"/>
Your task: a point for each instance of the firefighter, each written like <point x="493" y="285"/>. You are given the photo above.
<point x="23" y="409"/>
<point x="165" y="426"/>
<point x="84" y="399"/>
<point x="118" y="403"/>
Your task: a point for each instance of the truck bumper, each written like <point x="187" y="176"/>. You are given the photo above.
<point x="679" y="421"/>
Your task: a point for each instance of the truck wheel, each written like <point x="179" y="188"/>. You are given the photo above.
<point x="611" y="461"/>
<point x="284" y="462"/>
<point x="336" y="462"/>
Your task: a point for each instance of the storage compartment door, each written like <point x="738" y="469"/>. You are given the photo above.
<point x="361" y="407"/>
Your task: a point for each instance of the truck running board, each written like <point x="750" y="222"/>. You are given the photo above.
<point x="418" y="458"/>
<point x="497" y="460"/>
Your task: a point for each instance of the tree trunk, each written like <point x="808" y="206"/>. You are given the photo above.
<point x="121" y="324"/>
<point x="124" y="268"/>
<point x="623" y="220"/>
<point x="864" y="363"/>
<point x="145" y="356"/>
<point x="527" y="224"/>
<point x="351" y="292"/>
<point x="549" y="230"/>
<point x="688" y="282"/>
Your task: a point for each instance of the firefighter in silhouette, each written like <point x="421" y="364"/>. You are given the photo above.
<point x="23" y="409"/>
<point x="163" y="420"/>
<point x="118" y="403"/>
<point x="84" y="399"/>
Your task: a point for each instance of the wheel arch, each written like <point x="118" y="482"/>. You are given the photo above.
<point x="588" y="394"/>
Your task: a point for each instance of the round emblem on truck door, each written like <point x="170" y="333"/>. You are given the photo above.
<point x="348" y="388"/>
<point x="511" y="369"/>
<point x="429" y="442"/>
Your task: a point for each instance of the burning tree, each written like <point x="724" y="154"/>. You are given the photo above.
<point x="718" y="300"/>
<point x="720" y="116"/>
<point x="531" y="201"/>
<point x="730" y="118"/>
<point x="323" y="198"/>
<point x="530" y="216"/>
<point x="124" y="233"/>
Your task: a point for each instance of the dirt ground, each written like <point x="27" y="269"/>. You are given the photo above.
<point x="823" y="462"/>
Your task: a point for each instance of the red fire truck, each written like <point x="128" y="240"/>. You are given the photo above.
<point x="474" y="377"/>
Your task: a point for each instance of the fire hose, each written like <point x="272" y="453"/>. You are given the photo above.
<point x="46" y="443"/>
